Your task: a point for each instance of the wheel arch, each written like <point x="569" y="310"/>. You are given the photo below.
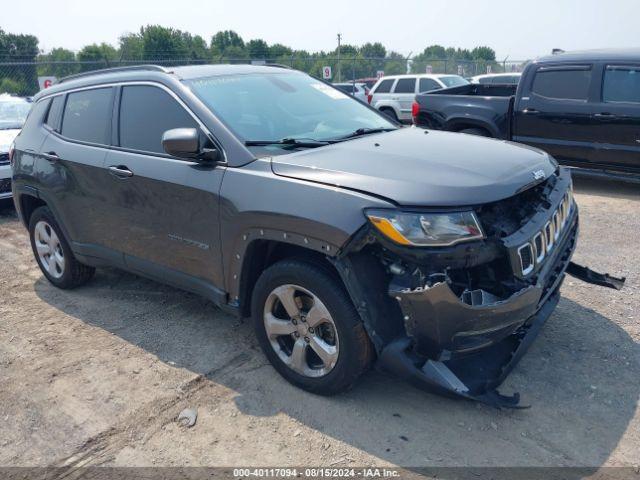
<point x="28" y="203"/>
<point x="458" y="124"/>
<point x="261" y="253"/>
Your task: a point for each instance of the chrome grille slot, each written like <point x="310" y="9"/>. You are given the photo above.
<point x="539" y="246"/>
<point x="527" y="264"/>
<point x="534" y="252"/>
<point x="548" y="234"/>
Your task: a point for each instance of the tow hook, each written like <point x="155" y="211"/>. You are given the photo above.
<point x="587" y="275"/>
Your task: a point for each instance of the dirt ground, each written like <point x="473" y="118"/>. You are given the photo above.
<point x="98" y="375"/>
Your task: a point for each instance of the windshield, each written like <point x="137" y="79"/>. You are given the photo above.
<point x="13" y="113"/>
<point x="453" y="80"/>
<point x="277" y="106"/>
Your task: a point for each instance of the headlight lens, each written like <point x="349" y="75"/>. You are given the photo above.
<point x="426" y="229"/>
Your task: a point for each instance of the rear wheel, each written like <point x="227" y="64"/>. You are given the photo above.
<point x="308" y="327"/>
<point x="52" y="252"/>
<point x="476" y="131"/>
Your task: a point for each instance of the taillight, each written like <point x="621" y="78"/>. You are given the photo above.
<point x="415" y="109"/>
<point x="11" y="150"/>
<point x="369" y="97"/>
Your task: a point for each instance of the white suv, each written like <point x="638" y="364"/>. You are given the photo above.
<point x="393" y="95"/>
<point x="13" y="112"/>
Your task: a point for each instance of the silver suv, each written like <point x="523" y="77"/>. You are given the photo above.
<point x="393" y="95"/>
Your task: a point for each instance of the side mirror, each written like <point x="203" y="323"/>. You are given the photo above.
<point x="185" y="143"/>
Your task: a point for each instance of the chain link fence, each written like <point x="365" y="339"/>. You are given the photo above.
<point x="25" y="78"/>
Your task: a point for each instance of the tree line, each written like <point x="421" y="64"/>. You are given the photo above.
<point x="170" y="46"/>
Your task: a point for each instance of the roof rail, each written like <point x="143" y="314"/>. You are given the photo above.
<point x="155" y="68"/>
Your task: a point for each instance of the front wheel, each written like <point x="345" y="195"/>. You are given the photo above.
<point x="308" y="327"/>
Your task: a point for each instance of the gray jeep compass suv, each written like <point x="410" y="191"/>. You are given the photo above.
<point x="346" y="238"/>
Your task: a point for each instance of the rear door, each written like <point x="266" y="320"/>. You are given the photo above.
<point x="70" y="172"/>
<point x="404" y="92"/>
<point x="163" y="210"/>
<point x="555" y="111"/>
<point x="382" y="93"/>
<point x="617" y="118"/>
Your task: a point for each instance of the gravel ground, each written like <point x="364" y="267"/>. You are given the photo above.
<point x="98" y="376"/>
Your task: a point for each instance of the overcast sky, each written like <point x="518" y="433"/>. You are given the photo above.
<point x="518" y="29"/>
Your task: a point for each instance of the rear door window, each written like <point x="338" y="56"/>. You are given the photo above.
<point x="621" y="84"/>
<point x="146" y="112"/>
<point x="568" y="83"/>
<point x="405" y="85"/>
<point x="385" y="86"/>
<point x="87" y="116"/>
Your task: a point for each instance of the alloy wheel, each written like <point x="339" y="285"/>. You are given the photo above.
<point x="301" y="330"/>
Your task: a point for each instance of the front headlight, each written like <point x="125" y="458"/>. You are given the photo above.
<point x="426" y="229"/>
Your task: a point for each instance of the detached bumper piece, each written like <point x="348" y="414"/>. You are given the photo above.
<point x="589" y="276"/>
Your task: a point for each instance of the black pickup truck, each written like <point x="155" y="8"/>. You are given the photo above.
<point x="583" y="108"/>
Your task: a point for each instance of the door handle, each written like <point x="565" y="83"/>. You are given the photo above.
<point x="604" y="115"/>
<point x="51" y="156"/>
<point x="120" y="171"/>
<point x="530" y="111"/>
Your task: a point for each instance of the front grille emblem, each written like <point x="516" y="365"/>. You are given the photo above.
<point x="538" y="174"/>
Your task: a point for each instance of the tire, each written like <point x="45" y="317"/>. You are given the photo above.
<point x="314" y="287"/>
<point x="389" y="112"/>
<point x="475" y="131"/>
<point x="65" y="271"/>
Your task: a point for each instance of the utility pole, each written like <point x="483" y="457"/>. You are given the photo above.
<point x="339" y="70"/>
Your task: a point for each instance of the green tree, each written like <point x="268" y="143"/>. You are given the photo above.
<point x="433" y="52"/>
<point x="163" y="44"/>
<point x="395" y="64"/>
<point x="235" y="54"/>
<point x="94" y="56"/>
<point x="19" y="48"/>
<point x="484" y="53"/>
<point x="59" y="62"/>
<point x="278" y="50"/>
<point x="258" y="48"/>
<point x="196" y="47"/>
<point x="225" y="39"/>
<point x="131" y="47"/>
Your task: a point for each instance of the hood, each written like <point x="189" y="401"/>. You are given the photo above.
<point x="416" y="167"/>
<point x="6" y="137"/>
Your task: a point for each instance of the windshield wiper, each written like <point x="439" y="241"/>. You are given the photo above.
<point x="364" y="131"/>
<point x="293" y="142"/>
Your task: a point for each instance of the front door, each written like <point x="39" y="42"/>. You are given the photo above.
<point x="554" y="113"/>
<point x="164" y="210"/>
<point x="617" y="118"/>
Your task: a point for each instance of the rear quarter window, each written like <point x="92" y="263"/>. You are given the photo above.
<point x="87" y="116"/>
<point x="53" y="116"/>
<point x="36" y="114"/>
<point x="621" y="84"/>
<point x="570" y="83"/>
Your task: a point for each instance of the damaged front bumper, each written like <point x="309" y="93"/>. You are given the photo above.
<point x="466" y="346"/>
